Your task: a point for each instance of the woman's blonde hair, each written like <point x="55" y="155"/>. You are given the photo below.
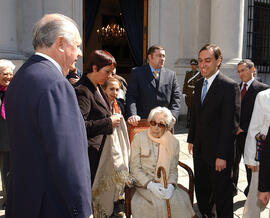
<point x="110" y="80"/>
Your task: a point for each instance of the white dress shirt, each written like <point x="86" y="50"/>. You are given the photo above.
<point x="210" y="81"/>
<point x="248" y="84"/>
<point x="260" y="122"/>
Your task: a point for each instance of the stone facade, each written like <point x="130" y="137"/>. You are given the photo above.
<point x="182" y="27"/>
<point x="17" y="18"/>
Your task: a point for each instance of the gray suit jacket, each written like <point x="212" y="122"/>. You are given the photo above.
<point x="144" y="94"/>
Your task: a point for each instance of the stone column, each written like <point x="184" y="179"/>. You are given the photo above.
<point x="227" y="24"/>
<point x="154" y="22"/>
<point x="8" y="39"/>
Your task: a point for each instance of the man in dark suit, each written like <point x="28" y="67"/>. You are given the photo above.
<point x="249" y="87"/>
<point x="50" y="174"/>
<point x="264" y="172"/>
<point x="150" y="86"/>
<point x="214" y="121"/>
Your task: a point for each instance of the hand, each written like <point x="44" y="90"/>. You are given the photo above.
<point x="134" y="120"/>
<point x="239" y="131"/>
<point x="168" y="192"/>
<point x="253" y="168"/>
<point x="264" y="197"/>
<point x="190" y="148"/>
<point x="157" y="189"/>
<point x="73" y="80"/>
<point x="115" y="120"/>
<point x="220" y="164"/>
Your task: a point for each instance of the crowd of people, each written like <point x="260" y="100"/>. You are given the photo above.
<point x="64" y="144"/>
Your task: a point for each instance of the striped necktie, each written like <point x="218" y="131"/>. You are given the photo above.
<point x="156" y="74"/>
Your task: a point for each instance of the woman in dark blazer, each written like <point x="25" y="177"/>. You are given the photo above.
<point x="95" y="106"/>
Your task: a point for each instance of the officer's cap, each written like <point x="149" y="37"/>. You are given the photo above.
<point x="193" y="62"/>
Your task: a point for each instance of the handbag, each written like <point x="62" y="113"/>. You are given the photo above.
<point x="260" y="138"/>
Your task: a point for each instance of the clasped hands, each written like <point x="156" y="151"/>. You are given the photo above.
<point x="158" y="190"/>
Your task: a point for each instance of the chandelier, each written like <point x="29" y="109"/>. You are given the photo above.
<point x="111" y="33"/>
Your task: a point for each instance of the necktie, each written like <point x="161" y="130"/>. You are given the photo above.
<point x="156" y="74"/>
<point x="204" y="91"/>
<point x="244" y="90"/>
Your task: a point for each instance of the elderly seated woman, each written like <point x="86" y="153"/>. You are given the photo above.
<point x="151" y="149"/>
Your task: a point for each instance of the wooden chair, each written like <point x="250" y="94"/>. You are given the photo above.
<point x="132" y="130"/>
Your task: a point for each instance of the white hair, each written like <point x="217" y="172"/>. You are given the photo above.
<point x="167" y="114"/>
<point x="4" y="64"/>
<point x="51" y="26"/>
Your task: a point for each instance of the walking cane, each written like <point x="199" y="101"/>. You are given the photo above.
<point x="166" y="186"/>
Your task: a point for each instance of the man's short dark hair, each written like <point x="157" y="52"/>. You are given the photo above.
<point x="215" y="49"/>
<point x="152" y="49"/>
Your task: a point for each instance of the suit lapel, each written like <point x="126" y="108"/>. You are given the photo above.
<point x="199" y="89"/>
<point x="212" y="90"/>
<point x="162" y="76"/>
<point x="149" y="76"/>
<point x="105" y="104"/>
<point x="249" y="91"/>
<point x="102" y="102"/>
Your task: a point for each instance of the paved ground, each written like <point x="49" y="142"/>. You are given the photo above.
<point x="185" y="157"/>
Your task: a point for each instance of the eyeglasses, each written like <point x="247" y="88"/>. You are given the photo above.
<point x="160" y="125"/>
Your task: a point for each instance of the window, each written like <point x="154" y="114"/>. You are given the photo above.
<point x="258" y="35"/>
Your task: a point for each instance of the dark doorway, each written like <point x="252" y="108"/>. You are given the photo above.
<point x="105" y="20"/>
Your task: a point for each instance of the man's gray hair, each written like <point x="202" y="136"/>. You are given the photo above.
<point x="4" y="64"/>
<point x="248" y="62"/>
<point x="169" y="119"/>
<point x="51" y="26"/>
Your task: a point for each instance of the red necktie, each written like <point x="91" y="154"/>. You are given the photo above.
<point x="244" y="90"/>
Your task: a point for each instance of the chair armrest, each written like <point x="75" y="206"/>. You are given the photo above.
<point x="191" y="181"/>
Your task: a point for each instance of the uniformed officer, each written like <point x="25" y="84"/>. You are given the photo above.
<point x="188" y="90"/>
